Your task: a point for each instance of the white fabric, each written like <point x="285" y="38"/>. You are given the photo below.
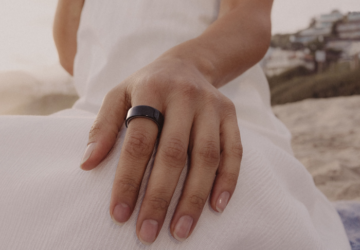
<point x="47" y="202"/>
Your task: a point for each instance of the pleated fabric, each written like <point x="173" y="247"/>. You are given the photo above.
<point x="48" y="202"/>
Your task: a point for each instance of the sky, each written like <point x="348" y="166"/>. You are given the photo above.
<point x="291" y="15"/>
<point x="26" y="40"/>
<point x="26" y="27"/>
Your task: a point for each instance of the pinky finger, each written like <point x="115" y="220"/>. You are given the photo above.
<point x="228" y="172"/>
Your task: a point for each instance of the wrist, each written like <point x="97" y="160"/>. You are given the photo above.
<point x="193" y="54"/>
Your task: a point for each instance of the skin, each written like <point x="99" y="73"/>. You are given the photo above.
<point x="199" y="120"/>
<point x="66" y="24"/>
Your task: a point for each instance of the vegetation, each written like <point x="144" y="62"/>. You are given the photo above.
<point x="288" y="75"/>
<point x="298" y="84"/>
<point x="281" y="41"/>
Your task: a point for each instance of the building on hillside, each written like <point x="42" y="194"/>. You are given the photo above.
<point x="348" y="37"/>
<point x="349" y="28"/>
<point x="320" y="29"/>
<point x="335" y="35"/>
<point x="278" y="61"/>
<point x="340" y="45"/>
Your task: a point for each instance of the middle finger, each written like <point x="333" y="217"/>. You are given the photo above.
<point x="169" y="163"/>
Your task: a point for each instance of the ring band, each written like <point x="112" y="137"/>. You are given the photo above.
<point x="148" y="112"/>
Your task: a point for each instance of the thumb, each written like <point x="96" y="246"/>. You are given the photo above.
<point x="106" y="127"/>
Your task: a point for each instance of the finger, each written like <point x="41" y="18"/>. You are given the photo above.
<point x="136" y="151"/>
<point x="105" y="129"/>
<point x="205" y="157"/>
<point x="170" y="160"/>
<point x="228" y="172"/>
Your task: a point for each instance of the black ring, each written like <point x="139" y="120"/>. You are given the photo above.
<point x="145" y="112"/>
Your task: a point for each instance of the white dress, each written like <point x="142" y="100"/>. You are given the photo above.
<point x="47" y="202"/>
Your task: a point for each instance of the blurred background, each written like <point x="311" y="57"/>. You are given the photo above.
<point x="32" y="81"/>
<point x="312" y="66"/>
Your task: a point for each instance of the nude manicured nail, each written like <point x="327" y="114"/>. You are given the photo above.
<point x="183" y="227"/>
<point x="148" y="231"/>
<point x="222" y="202"/>
<point x="121" y="213"/>
<point x="89" y="149"/>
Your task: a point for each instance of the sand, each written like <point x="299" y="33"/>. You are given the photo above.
<point x="38" y="92"/>
<point x="326" y="139"/>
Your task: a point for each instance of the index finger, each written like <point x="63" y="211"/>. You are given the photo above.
<point x="105" y="129"/>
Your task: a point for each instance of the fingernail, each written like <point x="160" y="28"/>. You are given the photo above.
<point x="183" y="227"/>
<point x="148" y="231"/>
<point x="222" y="201"/>
<point x="88" y="151"/>
<point x="121" y="213"/>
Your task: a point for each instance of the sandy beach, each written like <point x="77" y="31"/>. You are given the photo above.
<point x="37" y="92"/>
<point x="326" y="139"/>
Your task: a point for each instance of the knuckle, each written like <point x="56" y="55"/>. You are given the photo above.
<point x="210" y="100"/>
<point x="111" y="94"/>
<point x="152" y="84"/>
<point x="95" y="129"/>
<point x="213" y="101"/>
<point x="229" y="106"/>
<point x="237" y="150"/>
<point x="139" y="144"/>
<point x="197" y="201"/>
<point x="229" y="178"/>
<point x="102" y="126"/>
<point x="189" y="90"/>
<point x="157" y="203"/>
<point x="128" y="185"/>
<point x="210" y="152"/>
<point x="117" y="97"/>
<point x="174" y="152"/>
<point x="213" y="97"/>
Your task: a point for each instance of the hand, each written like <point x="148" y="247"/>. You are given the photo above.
<point x="199" y="121"/>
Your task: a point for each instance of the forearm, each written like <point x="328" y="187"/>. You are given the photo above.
<point x="236" y="41"/>
<point x="66" y="24"/>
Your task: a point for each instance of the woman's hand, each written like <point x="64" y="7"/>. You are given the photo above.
<point x="199" y="121"/>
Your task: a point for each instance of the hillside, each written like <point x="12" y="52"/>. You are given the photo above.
<point x="299" y="84"/>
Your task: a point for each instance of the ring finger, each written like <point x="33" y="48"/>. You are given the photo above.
<point x="205" y="157"/>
